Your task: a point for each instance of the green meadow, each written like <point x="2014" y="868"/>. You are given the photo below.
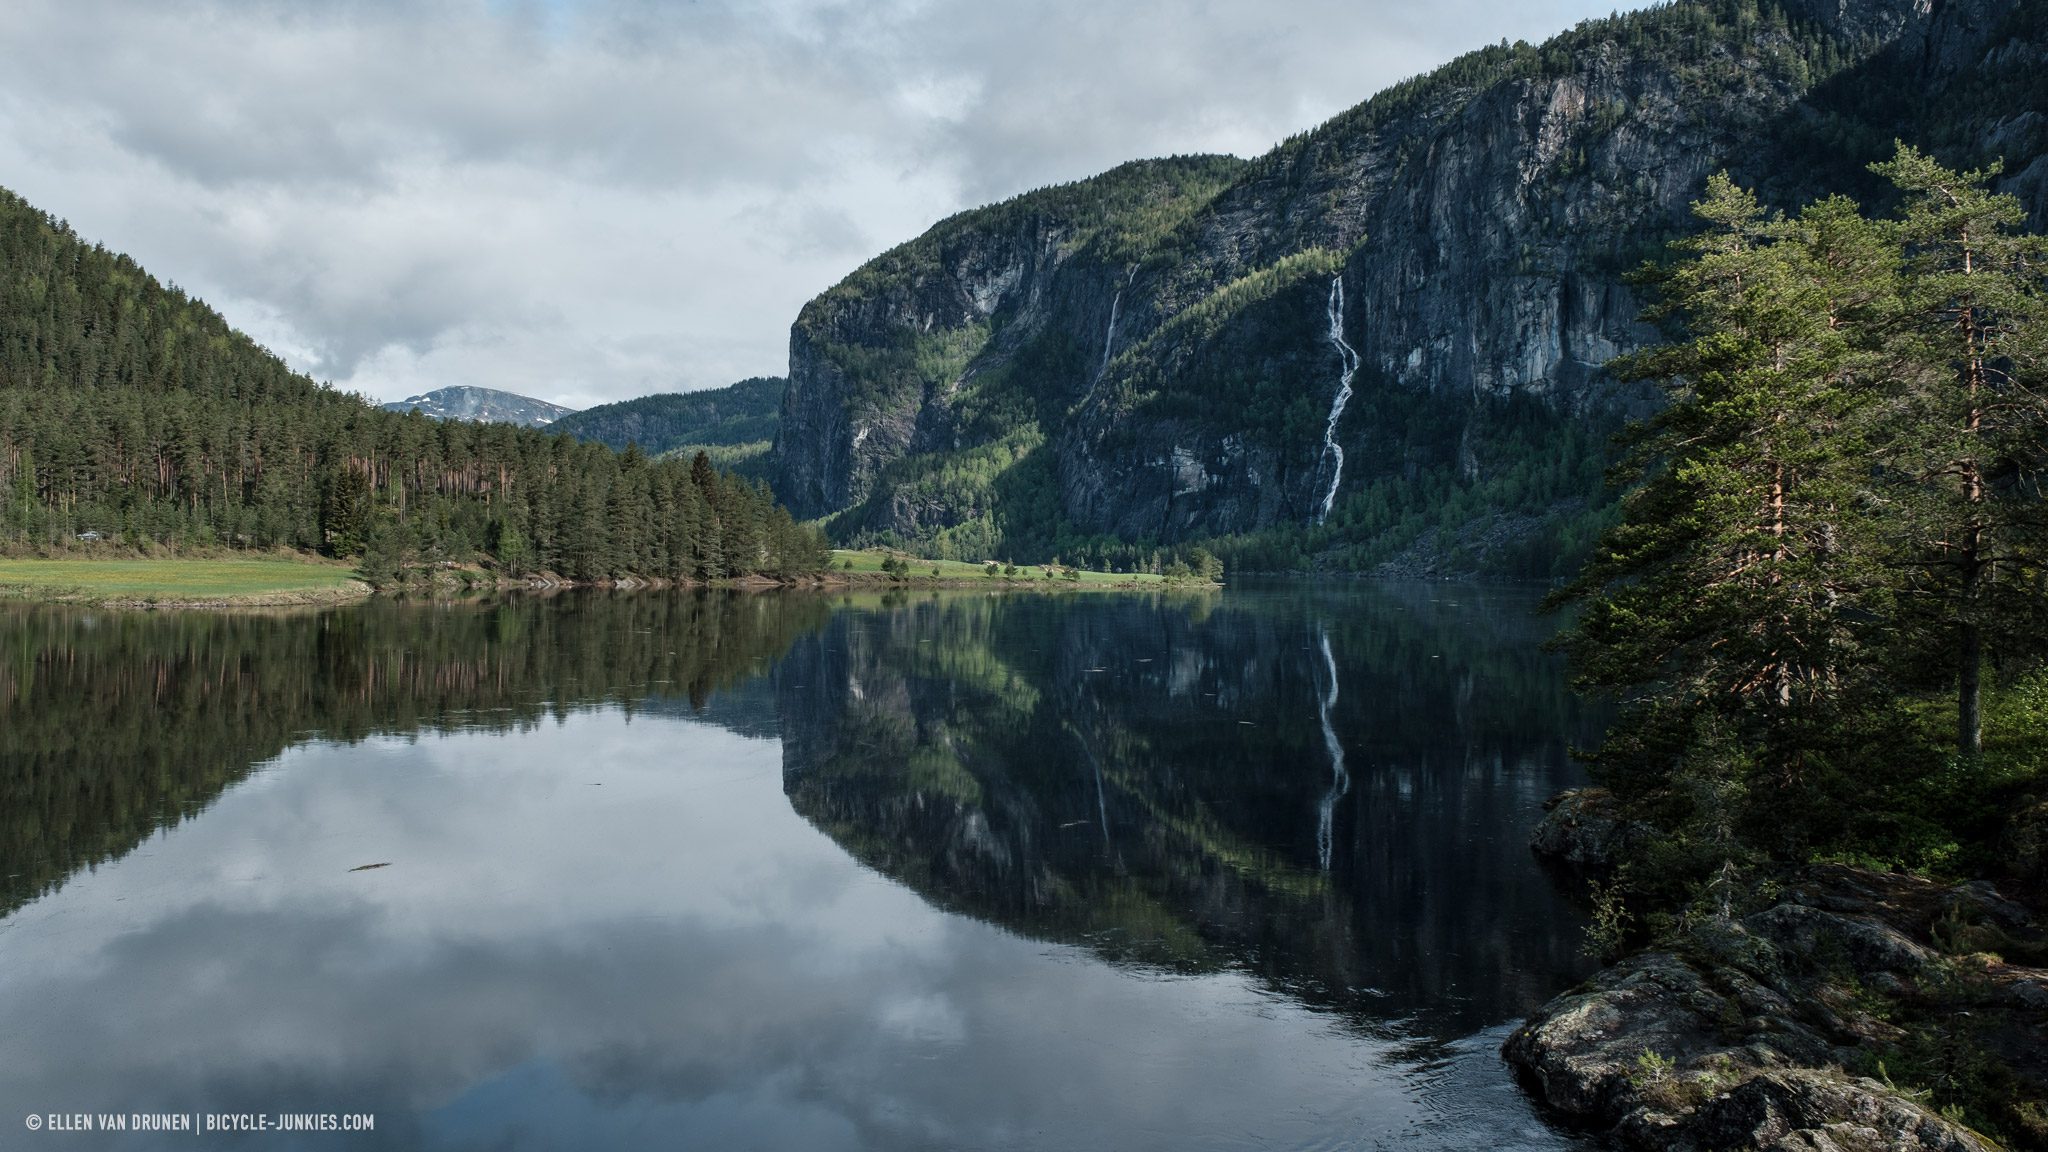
<point x="177" y="581"/>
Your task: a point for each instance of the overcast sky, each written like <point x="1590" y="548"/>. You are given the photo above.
<point x="587" y="201"/>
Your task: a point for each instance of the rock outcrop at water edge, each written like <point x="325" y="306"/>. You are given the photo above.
<point x="1797" y="1024"/>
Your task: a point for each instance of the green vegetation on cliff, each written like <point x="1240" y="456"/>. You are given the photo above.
<point x="1092" y="373"/>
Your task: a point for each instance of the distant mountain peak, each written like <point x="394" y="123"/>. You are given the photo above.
<point x="487" y="405"/>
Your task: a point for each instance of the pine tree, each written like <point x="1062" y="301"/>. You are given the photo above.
<point x="1967" y="428"/>
<point x="1729" y="603"/>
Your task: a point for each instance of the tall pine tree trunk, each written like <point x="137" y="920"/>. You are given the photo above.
<point x="1969" y="692"/>
<point x="1970" y="641"/>
<point x="1970" y="644"/>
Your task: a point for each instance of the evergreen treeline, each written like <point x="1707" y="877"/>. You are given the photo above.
<point x="1824" y="604"/>
<point x="129" y="409"/>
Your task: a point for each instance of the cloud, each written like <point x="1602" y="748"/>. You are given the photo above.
<point x="547" y="965"/>
<point x="589" y="201"/>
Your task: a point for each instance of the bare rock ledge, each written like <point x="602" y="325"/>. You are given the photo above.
<point x="1757" y="1030"/>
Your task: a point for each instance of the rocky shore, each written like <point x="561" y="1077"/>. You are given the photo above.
<point x="1835" y="1009"/>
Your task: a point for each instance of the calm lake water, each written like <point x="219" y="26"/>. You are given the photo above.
<point x="936" y="871"/>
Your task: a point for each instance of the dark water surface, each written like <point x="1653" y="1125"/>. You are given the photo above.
<point x="785" y="872"/>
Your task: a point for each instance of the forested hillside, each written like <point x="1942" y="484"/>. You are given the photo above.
<point x="733" y="425"/>
<point x="130" y="409"/>
<point x="1381" y="346"/>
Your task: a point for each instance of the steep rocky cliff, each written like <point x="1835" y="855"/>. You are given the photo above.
<point x="1153" y="356"/>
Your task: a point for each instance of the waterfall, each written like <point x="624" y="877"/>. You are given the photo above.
<point x="1350" y="358"/>
<point x="1109" y="337"/>
<point x="1340" y="780"/>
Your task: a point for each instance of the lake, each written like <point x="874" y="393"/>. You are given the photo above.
<point x="942" y="870"/>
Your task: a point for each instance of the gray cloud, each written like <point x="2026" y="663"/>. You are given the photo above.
<point x="588" y="201"/>
<point x="547" y="965"/>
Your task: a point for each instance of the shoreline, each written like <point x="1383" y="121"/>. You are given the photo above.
<point x="1812" y="1008"/>
<point x="867" y="581"/>
<point x="354" y="592"/>
<point x="469" y="580"/>
<point x="140" y="581"/>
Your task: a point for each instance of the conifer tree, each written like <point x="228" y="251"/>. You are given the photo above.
<point x="1966" y="430"/>
<point x="1727" y="605"/>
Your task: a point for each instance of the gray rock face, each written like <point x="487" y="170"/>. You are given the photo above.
<point x="1737" y="1036"/>
<point x="1163" y="361"/>
<point x="845" y="417"/>
<point x="1807" y="1111"/>
<point x="1585" y="828"/>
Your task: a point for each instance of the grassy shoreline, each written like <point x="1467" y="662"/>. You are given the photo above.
<point x="296" y="579"/>
<point x="181" y="582"/>
<point x="865" y="569"/>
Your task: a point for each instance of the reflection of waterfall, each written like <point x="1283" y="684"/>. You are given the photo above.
<point x="1101" y="800"/>
<point x="1340" y="780"/>
<point x="1330" y="446"/>
<point x="1109" y="337"/>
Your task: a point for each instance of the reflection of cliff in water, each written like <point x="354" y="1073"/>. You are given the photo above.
<point x="1150" y="780"/>
<point x="115" y="724"/>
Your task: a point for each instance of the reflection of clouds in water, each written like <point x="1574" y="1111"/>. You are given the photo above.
<point x="536" y="1106"/>
<point x="926" y="1019"/>
<point x="602" y="935"/>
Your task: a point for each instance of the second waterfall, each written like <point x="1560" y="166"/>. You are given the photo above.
<point x="1350" y="361"/>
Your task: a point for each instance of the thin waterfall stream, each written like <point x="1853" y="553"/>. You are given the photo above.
<point x="1109" y="337"/>
<point x="1350" y="360"/>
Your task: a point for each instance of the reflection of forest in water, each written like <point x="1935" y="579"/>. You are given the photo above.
<point x="115" y="724"/>
<point x="1331" y="789"/>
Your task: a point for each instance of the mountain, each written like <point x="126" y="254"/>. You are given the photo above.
<point x="130" y="408"/>
<point x="463" y="402"/>
<point x="1155" y="357"/>
<point x="734" y="425"/>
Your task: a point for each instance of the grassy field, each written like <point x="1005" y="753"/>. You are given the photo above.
<point x="280" y="580"/>
<point x="1028" y="575"/>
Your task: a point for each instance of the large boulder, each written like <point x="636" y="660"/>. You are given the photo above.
<point x="1747" y="1031"/>
<point x="1804" y="1110"/>
<point x="1586" y="828"/>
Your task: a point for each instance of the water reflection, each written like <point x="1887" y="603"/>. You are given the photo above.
<point x="115" y="724"/>
<point x="623" y="909"/>
<point x="1331" y="791"/>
